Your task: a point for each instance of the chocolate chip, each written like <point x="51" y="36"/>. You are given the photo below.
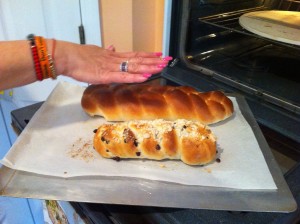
<point x="157" y="147"/>
<point x="138" y="153"/>
<point x="183" y="127"/>
<point x="218" y="160"/>
<point x="117" y="158"/>
<point x="135" y="143"/>
<point x="95" y="130"/>
<point x="107" y="150"/>
<point x="104" y="140"/>
<point x="125" y="141"/>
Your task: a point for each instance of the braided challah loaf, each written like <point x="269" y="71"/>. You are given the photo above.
<point x="158" y="139"/>
<point x="147" y="102"/>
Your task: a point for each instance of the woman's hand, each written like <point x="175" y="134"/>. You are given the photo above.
<point x="92" y="64"/>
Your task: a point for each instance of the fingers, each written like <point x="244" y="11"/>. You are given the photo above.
<point x="140" y="64"/>
<point x="136" y="68"/>
<point x="111" y="48"/>
<point x="146" y="58"/>
<point x="137" y="62"/>
<point x="123" y="77"/>
<point x="149" y="61"/>
<point x="138" y="54"/>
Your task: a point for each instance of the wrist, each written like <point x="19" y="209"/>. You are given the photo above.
<point x="58" y="50"/>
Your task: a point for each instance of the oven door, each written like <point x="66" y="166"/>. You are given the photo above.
<point x="212" y="51"/>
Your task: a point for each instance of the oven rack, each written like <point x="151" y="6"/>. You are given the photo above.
<point x="292" y="5"/>
<point x="229" y="21"/>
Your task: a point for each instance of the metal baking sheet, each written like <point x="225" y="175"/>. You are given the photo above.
<point x="133" y="191"/>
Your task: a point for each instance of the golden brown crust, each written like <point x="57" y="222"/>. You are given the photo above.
<point x="159" y="139"/>
<point x="147" y="102"/>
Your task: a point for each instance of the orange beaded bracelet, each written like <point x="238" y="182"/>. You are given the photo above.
<point x="44" y="63"/>
<point x="43" y="57"/>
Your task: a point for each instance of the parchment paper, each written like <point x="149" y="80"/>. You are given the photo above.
<point x="58" y="142"/>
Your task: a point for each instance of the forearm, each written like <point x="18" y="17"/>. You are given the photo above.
<point x="86" y="63"/>
<point x="17" y="66"/>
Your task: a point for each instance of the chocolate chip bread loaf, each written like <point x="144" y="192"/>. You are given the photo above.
<point x="189" y="141"/>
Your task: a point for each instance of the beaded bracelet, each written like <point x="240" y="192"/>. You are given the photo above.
<point x="51" y="60"/>
<point x="43" y="58"/>
<point x="44" y="63"/>
<point x="35" y="57"/>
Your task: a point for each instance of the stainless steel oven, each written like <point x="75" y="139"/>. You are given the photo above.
<point x="213" y="51"/>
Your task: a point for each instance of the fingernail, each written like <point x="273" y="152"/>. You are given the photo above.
<point x="161" y="66"/>
<point x="168" y="58"/>
<point x="110" y="47"/>
<point x="158" y="54"/>
<point x="147" y="75"/>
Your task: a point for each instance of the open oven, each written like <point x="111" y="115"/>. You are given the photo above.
<point x="212" y="51"/>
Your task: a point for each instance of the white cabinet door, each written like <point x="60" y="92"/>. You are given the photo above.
<point x="59" y="19"/>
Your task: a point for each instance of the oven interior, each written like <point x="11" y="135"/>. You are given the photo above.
<point x="208" y="42"/>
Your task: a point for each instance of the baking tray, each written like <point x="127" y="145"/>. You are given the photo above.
<point x="134" y="191"/>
